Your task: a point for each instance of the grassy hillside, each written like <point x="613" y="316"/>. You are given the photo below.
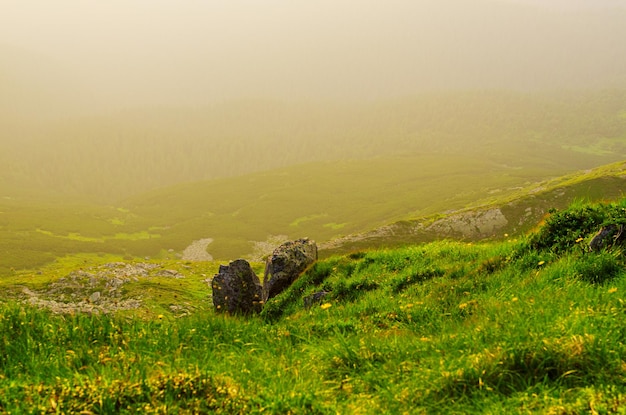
<point x="323" y="201"/>
<point x="517" y="211"/>
<point x="110" y="157"/>
<point x="320" y="200"/>
<point x="325" y="172"/>
<point x="527" y="326"/>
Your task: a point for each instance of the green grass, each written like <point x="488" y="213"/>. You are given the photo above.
<point x="320" y="201"/>
<point x="527" y="326"/>
<point x="142" y="183"/>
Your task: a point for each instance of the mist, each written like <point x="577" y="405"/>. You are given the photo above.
<point x="73" y="56"/>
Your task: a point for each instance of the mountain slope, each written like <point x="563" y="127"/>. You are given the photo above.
<point x="534" y="325"/>
<point x="498" y="216"/>
<point x="110" y="158"/>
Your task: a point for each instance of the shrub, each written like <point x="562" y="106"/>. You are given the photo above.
<point x="564" y="229"/>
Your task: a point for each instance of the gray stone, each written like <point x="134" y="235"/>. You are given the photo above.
<point x="286" y="264"/>
<point x="607" y="236"/>
<point x="237" y="289"/>
<point x="94" y="297"/>
<point x="170" y="273"/>
<point x="315" y="298"/>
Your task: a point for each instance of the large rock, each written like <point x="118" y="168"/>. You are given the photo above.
<point x="237" y="289"/>
<point x="285" y="264"/>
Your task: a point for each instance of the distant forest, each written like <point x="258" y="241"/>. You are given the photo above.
<point x="112" y="157"/>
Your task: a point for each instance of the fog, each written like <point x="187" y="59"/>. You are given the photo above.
<point x="92" y="55"/>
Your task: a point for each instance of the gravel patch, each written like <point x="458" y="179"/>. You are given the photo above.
<point x="197" y="251"/>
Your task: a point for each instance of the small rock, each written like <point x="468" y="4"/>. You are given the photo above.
<point x="315" y="298"/>
<point x="170" y="273"/>
<point x="94" y="297"/>
<point x="607" y="236"/>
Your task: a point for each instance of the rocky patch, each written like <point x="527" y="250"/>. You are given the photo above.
<point x="197" y="251"/>
<point x="471" y="225"/>
<point x="100" y="290"/>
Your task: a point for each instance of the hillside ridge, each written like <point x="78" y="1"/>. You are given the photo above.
<point x="495" y="219"/>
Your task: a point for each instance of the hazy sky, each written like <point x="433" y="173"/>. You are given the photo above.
<point x="178" y="52"/>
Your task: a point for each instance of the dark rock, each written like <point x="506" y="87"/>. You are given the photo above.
<point x="286" y="264"/>
<point x="315" y="298"/>
<point x="237" y="289"/>
<point x="607" y="236"/>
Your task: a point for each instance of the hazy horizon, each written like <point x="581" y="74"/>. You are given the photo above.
<point x="86" y="56"/>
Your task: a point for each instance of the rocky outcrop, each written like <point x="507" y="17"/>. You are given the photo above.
<point x="475" y="224"/>
<point x="97" y="290"/>
<point x="237" y="289"/>
<point x="285" y="264"/>
<point x="607" y="236"/>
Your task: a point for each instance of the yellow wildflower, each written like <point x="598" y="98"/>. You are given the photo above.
<point x="612" y="290"/>
<point x="326" y="306"/>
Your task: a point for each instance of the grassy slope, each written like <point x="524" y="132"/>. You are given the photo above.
<point x="523" y="208"/>
<point x="319" y="200"/>
<point x="111" y="157"/>
<point x="457" y="149"/>
<point x="512" y="327"/>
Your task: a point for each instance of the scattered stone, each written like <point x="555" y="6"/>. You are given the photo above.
<point x="315" y="298"/>
<point x="59" y="307"/>
<point x="179" y="310"/>
<point x="96" y="290"/>
<point x="286" y="264"/>
<point x="170" y="273"/>
<point x="197" y="251"/>
<point x="237" y="289"/>
<point x="93" y="298"/>
<point x="115" y="283"/>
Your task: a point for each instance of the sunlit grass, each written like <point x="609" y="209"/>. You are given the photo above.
<point x="445" y="327"/>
